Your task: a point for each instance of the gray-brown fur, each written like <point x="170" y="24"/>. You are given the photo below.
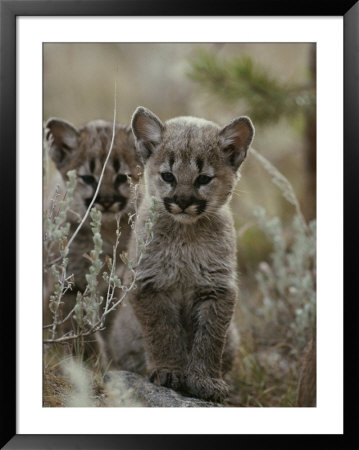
<point x="84" y="150"/>
<point x="186" y="283"/>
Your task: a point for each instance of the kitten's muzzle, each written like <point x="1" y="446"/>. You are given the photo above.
<point x="181" y="204"/>
<point x="182" y="201"/>
<point x="108" y="201"/>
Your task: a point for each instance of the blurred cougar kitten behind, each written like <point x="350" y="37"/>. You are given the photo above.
<point x="85" y="150"/>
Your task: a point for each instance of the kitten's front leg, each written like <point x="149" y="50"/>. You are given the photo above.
<point x="212" y="318"/>
<point x="164" y="336"/>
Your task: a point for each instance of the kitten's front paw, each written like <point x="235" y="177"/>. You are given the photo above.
<point x="166" y="377"/>
<point x="212" y="389"/>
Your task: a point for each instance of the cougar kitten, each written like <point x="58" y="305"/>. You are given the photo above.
<point x="85" y="150"/>
<point x="186" y="285"/>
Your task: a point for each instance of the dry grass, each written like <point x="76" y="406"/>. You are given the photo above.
<point x="71" y="382"/>
<point x="55" y="388"/>
<point x="265" y="376"/>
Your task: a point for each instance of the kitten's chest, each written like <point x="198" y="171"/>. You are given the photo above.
<point x="173" y="261"/>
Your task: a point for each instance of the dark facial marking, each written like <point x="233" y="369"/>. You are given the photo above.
<point x="108" y="201"/>
<point x="184" y="202"/>
<point x="92" y="165"/>
<point x="171" y="160"/>
<point x="199" y="164"/>
<point x="89" y="179"/>
<point x="116" y="164"/>
<point x="201" y="206"/>
<point x="120" y="179"/>
<point x="65" y="146"/>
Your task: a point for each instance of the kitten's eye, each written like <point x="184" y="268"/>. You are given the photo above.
<point x="121" y="178"/>
<point x="203" y="179"/>
<point x="88" y="179"/>
<point x="168" y="177"/>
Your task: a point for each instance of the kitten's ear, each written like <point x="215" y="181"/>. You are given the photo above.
<point x="62" y="138"/>
<point x="132" y="145"/>
<point x="147" y="129"/>
<point x="236" y="137"/>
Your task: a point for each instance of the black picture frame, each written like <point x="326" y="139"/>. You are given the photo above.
<point x="9" y="10"/>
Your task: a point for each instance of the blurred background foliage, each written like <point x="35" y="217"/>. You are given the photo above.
<point x="274" y="84"/>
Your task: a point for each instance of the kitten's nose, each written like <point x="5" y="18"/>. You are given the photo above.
<point x="106" y="205"/>
<point x="183" y="201"/>
<point x="106" y="202"/>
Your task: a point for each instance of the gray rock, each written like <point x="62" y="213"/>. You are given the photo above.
<point x="129" y="389"/>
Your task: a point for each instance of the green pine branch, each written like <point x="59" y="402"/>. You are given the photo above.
<point x="267" y="99"/>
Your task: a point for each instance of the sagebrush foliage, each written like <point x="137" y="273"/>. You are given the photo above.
<point x="87" y="309"/>
<point x="288" y="281"/>
<point x="55" y="242"/>
<point x="92" y="305"/>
